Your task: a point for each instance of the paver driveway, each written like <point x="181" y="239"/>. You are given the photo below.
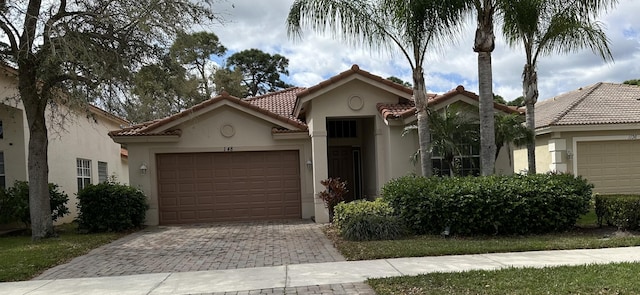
<point x="204" y="247"/>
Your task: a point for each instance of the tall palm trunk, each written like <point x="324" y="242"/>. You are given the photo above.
<point x="484" y="44"/>
<point x="530" y="92"/>
<point x="38" y="168"/>
<point x="424" y="134"/>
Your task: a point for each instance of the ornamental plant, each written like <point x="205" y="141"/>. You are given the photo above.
<point x="334" y="193"/>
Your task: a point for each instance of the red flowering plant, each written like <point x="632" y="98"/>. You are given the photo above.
<point x="334" y="193"/>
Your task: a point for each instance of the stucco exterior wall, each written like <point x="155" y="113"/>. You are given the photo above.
<point x="203" y="134"/>
<point x="543" y="157"/>
<point x="357" y="99"/>
<point x="72" y="135"/>
<point x="85" y="138"/>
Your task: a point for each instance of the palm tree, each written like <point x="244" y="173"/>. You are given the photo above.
<point x="409" y="26"/>
<point x="544" y="27"/>
<point x="453" y="131"/>
<point x="484" y="43"/>
<point x="509" y="130"/>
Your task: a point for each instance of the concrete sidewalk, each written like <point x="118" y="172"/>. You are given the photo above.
<point x="252" y="280"/>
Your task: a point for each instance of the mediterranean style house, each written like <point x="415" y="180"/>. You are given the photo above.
<point x="594" y="132"/>
<point x="80" y="150"/>
<point x="228" y="159"/>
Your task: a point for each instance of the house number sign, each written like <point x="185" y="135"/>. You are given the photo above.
<point x="228" y="149"/>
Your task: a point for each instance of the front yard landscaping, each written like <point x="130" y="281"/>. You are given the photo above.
<point x="22" y="259"/>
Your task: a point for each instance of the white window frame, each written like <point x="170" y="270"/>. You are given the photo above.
<point x="83" y="172"/>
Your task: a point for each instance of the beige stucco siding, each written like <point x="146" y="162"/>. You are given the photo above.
<point x="343" y="102"/>
<point x="12" y="144"/>
<point x="72" y="135"/>
<point x="543" y="157"/>
<point x="203" y="134"/>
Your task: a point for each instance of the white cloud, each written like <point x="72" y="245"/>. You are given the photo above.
<point x="261" y="24"/>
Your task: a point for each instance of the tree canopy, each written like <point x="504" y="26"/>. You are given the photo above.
<point x="632" y="82"/>
<point x="74" y="52"/>
<point x="260" y="70"/>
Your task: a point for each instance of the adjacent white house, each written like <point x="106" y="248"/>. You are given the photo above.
<point x="594" y="132"/>
<point x="229" y="159"/>
<point x="80" y="150"/>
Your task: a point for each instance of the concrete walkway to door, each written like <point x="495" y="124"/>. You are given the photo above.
<point x="217" y="246"/>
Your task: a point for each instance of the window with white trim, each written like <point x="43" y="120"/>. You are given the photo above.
<point x="103" y="172"/>
<point x="84" y="173"/>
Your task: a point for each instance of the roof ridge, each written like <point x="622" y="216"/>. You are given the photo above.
<point x="575" y="103"/>
<point x="274" y="93"/>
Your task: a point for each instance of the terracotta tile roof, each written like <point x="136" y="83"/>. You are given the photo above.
<point x="407" y="108"/>
<point x="138" y="130"/>
<point x="355" y="69"/>
<point x="399" y="110"/>
<point x="280" y="103"/>
<point x="280" y="100"/>
<point x="601" y="103"/>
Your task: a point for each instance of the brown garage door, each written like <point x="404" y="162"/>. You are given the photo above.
<point x="235" y="186"/>
<point x="612" y="166"/>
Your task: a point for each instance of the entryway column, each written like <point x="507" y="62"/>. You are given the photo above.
<point x="320" y="172"/>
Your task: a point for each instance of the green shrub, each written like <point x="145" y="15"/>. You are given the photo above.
<point x="14" y="203"/>
<point x="515" y="204"/>
<point x="365" y="220"/>
<point x="110" y="207"/>
<point x="623" y="211"/>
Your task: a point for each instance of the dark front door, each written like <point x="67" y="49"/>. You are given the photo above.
<point x="344" y="162"/>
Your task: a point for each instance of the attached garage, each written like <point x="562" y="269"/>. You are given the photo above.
<point x="612" y="166"/>
<point x="228" y="186"/>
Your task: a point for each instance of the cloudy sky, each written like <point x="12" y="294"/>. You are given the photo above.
<point x="261" y="24"/>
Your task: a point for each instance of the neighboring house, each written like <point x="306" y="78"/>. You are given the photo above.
<point x="594" y="132"/>
<point x="80" y="151"/>
<point x="228" y="159"/>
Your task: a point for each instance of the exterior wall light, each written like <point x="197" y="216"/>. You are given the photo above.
<point x="309" y="164"/>
<point x="143" y="169"/>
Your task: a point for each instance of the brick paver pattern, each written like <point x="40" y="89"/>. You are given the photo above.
<point x="204" y="247"/>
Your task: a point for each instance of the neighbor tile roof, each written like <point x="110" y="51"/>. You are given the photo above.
<point x="601" y="103"/>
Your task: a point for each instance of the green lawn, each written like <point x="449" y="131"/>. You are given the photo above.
<point x="21" y="259"/>
<point x="618" y="278"/>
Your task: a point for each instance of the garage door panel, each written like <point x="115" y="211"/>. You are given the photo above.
<point x="612" y="166"/>
<point x="210" y="187"/>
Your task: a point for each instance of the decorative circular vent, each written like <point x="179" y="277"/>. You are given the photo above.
<point x="356" y="103"/>
<point x="227" y="130"/>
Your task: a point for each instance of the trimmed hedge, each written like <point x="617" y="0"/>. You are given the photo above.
<point x="516" y="204"/>
<point x="110" y="207"/>
<point x="366" y="220"/>
<point x="623" y="211"/>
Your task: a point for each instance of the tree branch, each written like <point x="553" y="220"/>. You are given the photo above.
<point x="11" y="33"/>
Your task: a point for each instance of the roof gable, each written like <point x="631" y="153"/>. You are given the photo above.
<point x="601" y="103"/>
<point x="407" y="109"/>
<point x="163" y="127"/>
<point x="354" y="73"/>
